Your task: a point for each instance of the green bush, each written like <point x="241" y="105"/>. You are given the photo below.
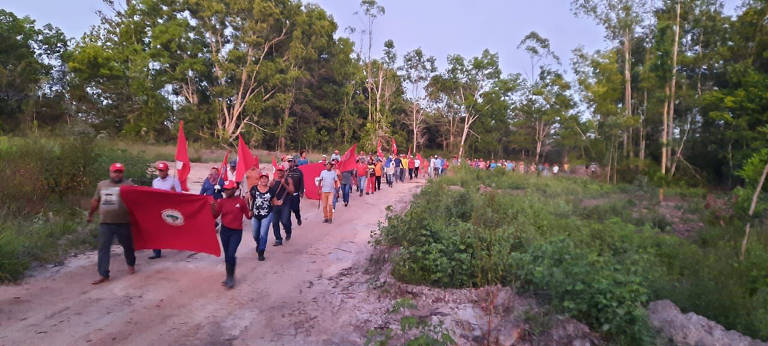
<point x="593" y="251"/>
<point x="44" y="184"/>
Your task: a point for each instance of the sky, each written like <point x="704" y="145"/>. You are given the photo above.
<point x="438" y="27"/>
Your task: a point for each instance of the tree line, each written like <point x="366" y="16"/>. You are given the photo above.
<point x="678" y="95"/>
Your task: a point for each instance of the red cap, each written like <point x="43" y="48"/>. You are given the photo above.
<point x="280" y="168"/>
<point x="229" y="185"/>
<point x="263" y="173"/>
<point x="117" y="167"/>
<point x="162" y="166"/>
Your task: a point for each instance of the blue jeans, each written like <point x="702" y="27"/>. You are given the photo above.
<point x="336" y="193"/>
<point x="361" y="184"/>
<point x="261" y="231"/>
<point x="281" y="215"/>
<point x="230" y="240"/>
<point x="345" y="190"/>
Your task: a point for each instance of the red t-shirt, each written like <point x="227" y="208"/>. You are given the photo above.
<point x="411" y="163"/>
<point x="362" y="170"/>
<point x="232" y="211"/>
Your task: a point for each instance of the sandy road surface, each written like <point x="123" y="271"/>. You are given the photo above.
<point x="179" y="300"/>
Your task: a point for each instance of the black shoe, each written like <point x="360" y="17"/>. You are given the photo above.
<point x="298" y="221"/>
<point x="330" y="220"/>
<point x="278" y="243"/>
<point x="346" y="204"/>
<point x="366" y="193"/>
<point x="155" y="257"/>
<point x="288" y="237"/>
<point x="261" y="256"/>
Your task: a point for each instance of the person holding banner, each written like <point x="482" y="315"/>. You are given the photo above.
<point x="167" y="183"/>
<point x="261" y="199"/>
<point x="232" y="209"/>
<point x="281" y="211"/>
<point x="115" y="221"/>
<point x="212" y="184"/>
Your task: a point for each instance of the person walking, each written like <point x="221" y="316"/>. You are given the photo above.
<point x="361" y="172"/>
<point x="337" y="188"/>
<point x="411" y="167"/>
<point x="416" y="166"/>
<point x="281" y="212"/>
<point x="398" y="167"/>
<point x="167" y="183"/>
<point x="212" y="184"/>
<point x="261" y="197"/>
<point x="336" y="156"/>
<point x="378" y="169"/>
<point x="390" y="171"/>
<point x="302" y="159"/>
<point x="371" y="186"/>
<point x="297" y="180"/>
<point x="347" y="178"/>
<point x="327" y="183"/>
<point x="114" y="221"/>
<point x="232" y="209"/>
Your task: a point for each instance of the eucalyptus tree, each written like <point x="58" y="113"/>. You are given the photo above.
<point x="418" y="70"/>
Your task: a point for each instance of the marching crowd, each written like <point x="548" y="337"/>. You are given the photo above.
<point x="268" y="202"/>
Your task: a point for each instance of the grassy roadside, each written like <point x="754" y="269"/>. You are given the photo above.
<point x="45" y="185"/>
<point x="596" y="252"/>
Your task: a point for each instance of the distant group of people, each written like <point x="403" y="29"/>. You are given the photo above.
<point x="268" y="202"/>
<point x="540" y="168"/>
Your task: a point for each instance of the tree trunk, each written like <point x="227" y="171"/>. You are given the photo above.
<point x="752" y="211"/>
<point x="671" y="122"/>
<point x="664" y="133"/>
<point x="642" y="129"/>
<point x="627" y="77"/>
<point x="415" y="127"/>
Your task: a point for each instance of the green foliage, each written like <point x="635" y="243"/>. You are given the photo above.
<point x="414" y="330"/>
<point x="44" y="184"/>
<point x="597" y="252"/>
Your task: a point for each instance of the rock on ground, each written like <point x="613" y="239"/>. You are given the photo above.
<point x="692" y="329"/>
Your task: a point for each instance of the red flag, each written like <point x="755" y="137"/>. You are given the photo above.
<point x="170" y="220"/>
<point x="378" y="150"/>
<point x="274" y="162"/>
<point x="421" y="161"/>
<point x="244" y="160"/>
<point x="349" y="159"/>
<point x="394" y="147"/>
<point x="311" y="171"/>
<point x="223" y="171"/>
<point x="182" y="158"/>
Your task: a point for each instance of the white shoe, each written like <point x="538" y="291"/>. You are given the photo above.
<point x="334" y="210"/>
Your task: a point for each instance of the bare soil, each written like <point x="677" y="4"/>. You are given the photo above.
<point x="179" y="299"/>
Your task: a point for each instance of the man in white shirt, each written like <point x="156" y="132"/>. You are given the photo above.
<point x="327" y="184"/>
<point x="164" y="182"/>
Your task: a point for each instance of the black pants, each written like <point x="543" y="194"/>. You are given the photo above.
<point x="230" y="240"/>
<point x="107" y="232"/>
<point x="410" y="173"/>
<point x="281" y="215"/>
<point x="416" y="172"/>
<point x="378" y="182"/>
<point x="294" y="202"/>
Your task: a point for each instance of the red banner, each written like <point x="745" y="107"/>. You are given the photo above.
<point x="170" y="220"/>
<point x="378" y="150"/>
<point x="244" y="160"/>
<point x="394" y="147"/>
<point x="224" y="170"/>
<point x="349" y="159"/>
<point x="311" y="171"/>
<point x="182" y="158"/>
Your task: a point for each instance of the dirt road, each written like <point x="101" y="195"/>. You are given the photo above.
<point x="178" y="299"/>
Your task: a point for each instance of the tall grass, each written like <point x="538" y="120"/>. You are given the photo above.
<point x="594" y="251"/>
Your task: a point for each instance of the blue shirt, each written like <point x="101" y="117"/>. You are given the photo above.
<point x="209" y="189"/>
<point x="493" y="165"/>
<point x="302" y="162"/>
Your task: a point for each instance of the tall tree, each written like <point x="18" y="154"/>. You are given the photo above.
<point x="418" y="70"/>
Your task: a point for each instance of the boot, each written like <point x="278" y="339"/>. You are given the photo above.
<point x="261" y="256"/>
<point x="230" y="281"/>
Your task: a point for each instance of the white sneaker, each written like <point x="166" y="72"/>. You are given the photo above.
<point x="334" y="210"/>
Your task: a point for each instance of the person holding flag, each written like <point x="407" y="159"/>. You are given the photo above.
<point x="115" y="221"/>
<point x="212" y="184"/>
<point x="281" y="212"/>
<point x="297" y="180"/>
<point x="232" y="209"/>
<point x="167" y="183"/>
